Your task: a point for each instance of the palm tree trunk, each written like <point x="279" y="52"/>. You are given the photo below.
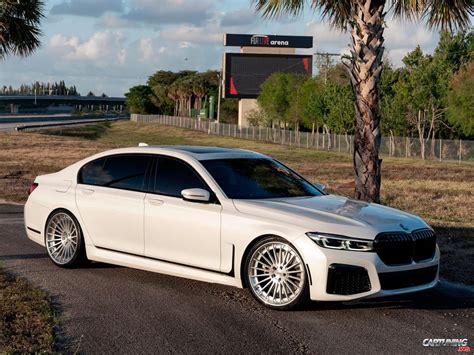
<point x="365" y="71"/>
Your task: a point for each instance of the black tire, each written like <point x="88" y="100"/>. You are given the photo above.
<point x="77" y="255"/>
<point x="271" y="243"/>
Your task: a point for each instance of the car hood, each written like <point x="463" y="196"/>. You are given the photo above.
<point x="333" y="214"/>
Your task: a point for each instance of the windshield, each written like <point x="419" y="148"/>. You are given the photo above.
<point x="250" y="178"/>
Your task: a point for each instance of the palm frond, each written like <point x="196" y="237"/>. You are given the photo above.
<point x="408" y="9"/>
<point x="441" y="14"/>
<point x="277" y="8"/>
<point x="449" y="14"/>
<point x="29" y="10"/>
<point x="19" y="26"/>
<point x="337" y="12"/>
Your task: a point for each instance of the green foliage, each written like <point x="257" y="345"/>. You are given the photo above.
<point x="461" y="101"/>
<point x="338" y="74"/>
<point x="258" y="117"/>
<point x="297" y="100"/>
<point x="340" y="108"/>
<point x="229" y="110"/>
<point x="273" y="98"/>
<point x="294" y="84"/>
<point x="313" y="103"/>
<point x="415" y="98"/>
<point x="161" y="100"/>
<point x="163" y="78"/>
<point x="392" y="110"/>
<point x="178" y="93"/>
<point x="140" y="100"/>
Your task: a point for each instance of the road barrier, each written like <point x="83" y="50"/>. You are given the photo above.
<point x="406" y="147"/>
<point x="30" y="127"/>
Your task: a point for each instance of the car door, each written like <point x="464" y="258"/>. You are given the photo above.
<point x="110" y="197"/>
<point x="176" y="230"/>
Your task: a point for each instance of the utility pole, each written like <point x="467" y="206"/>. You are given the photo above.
<point x="219" y="94"/>
<point x="324" y="61"/>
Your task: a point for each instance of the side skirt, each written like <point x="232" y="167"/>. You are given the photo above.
<point x="162" y="267"/>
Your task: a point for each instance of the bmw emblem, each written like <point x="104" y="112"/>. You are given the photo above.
<point x="404" y="227"/>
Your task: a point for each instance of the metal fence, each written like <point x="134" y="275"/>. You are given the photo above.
<point x="407" y="147"/>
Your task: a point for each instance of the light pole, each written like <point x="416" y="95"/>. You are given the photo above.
<point x="219" y="94"/>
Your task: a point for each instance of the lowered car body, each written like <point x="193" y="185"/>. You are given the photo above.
<point x="232" y="217"/>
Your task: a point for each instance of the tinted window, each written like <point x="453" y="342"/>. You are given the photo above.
<point x="257" y="179"/>
<point x="174" y="176"/>
<point x="122" y="171"/>
<point x="92" y="173"/>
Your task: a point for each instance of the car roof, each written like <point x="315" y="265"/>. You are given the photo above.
<point x="196" y="152"/>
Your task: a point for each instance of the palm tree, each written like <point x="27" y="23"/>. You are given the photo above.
<point x="366" y="21"/>
<point x="19" y="27"/>
<point x="199" y="91"/>
<point x="173" y="95"/>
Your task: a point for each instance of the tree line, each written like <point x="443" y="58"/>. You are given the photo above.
<point x="42" y="88"/>
<point x="430" y="96"/>
<point x="178" y="93"/>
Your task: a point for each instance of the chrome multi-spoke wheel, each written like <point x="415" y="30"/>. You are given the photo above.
<point x="63" y="239"/>
<point x="276" y="273"/>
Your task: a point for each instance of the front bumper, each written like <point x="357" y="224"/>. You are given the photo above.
<point x="321" y="263"/>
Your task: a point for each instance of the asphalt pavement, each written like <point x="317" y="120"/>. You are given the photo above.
<point x="109" y="309"/>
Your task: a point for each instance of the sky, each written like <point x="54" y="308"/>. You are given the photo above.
<point x="107" y="46"/>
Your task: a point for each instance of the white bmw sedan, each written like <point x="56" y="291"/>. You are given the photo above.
<point x="232" y="217"/>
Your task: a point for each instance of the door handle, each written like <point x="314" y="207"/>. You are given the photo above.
<point x="87" y="191"/>
<point x="155" y="201"/>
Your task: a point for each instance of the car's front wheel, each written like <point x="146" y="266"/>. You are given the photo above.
<point x="275" y="274"/>
<point x="64" y="241"/>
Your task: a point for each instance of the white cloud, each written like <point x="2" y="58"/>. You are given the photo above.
<point x="102" y="48"/>
<point x="193" y="34"/>
<point x="113" y="21"/>
<point x="399" y="34"/>
<point x="326" y="38"/>
<point x="59" y="40"/>
<point x="146" y="49"/>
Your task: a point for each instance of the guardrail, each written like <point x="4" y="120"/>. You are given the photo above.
<point x="403" y="147"/>
<point x="61" y="124"/>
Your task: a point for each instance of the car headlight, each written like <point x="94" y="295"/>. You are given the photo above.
<point x="339" y="242"/>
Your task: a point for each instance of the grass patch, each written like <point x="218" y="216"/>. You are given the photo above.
<point x="91" y="131"/>
<point x="26" y="317"/>
<point x="440" y="192"/>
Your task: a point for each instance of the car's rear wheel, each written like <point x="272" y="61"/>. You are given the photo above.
<point x="276" y="274"/>
<point x="64" y="241"/>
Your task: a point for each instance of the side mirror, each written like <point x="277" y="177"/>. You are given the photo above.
<point x="196" y="195"/>
<point x="320" y="186"/>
